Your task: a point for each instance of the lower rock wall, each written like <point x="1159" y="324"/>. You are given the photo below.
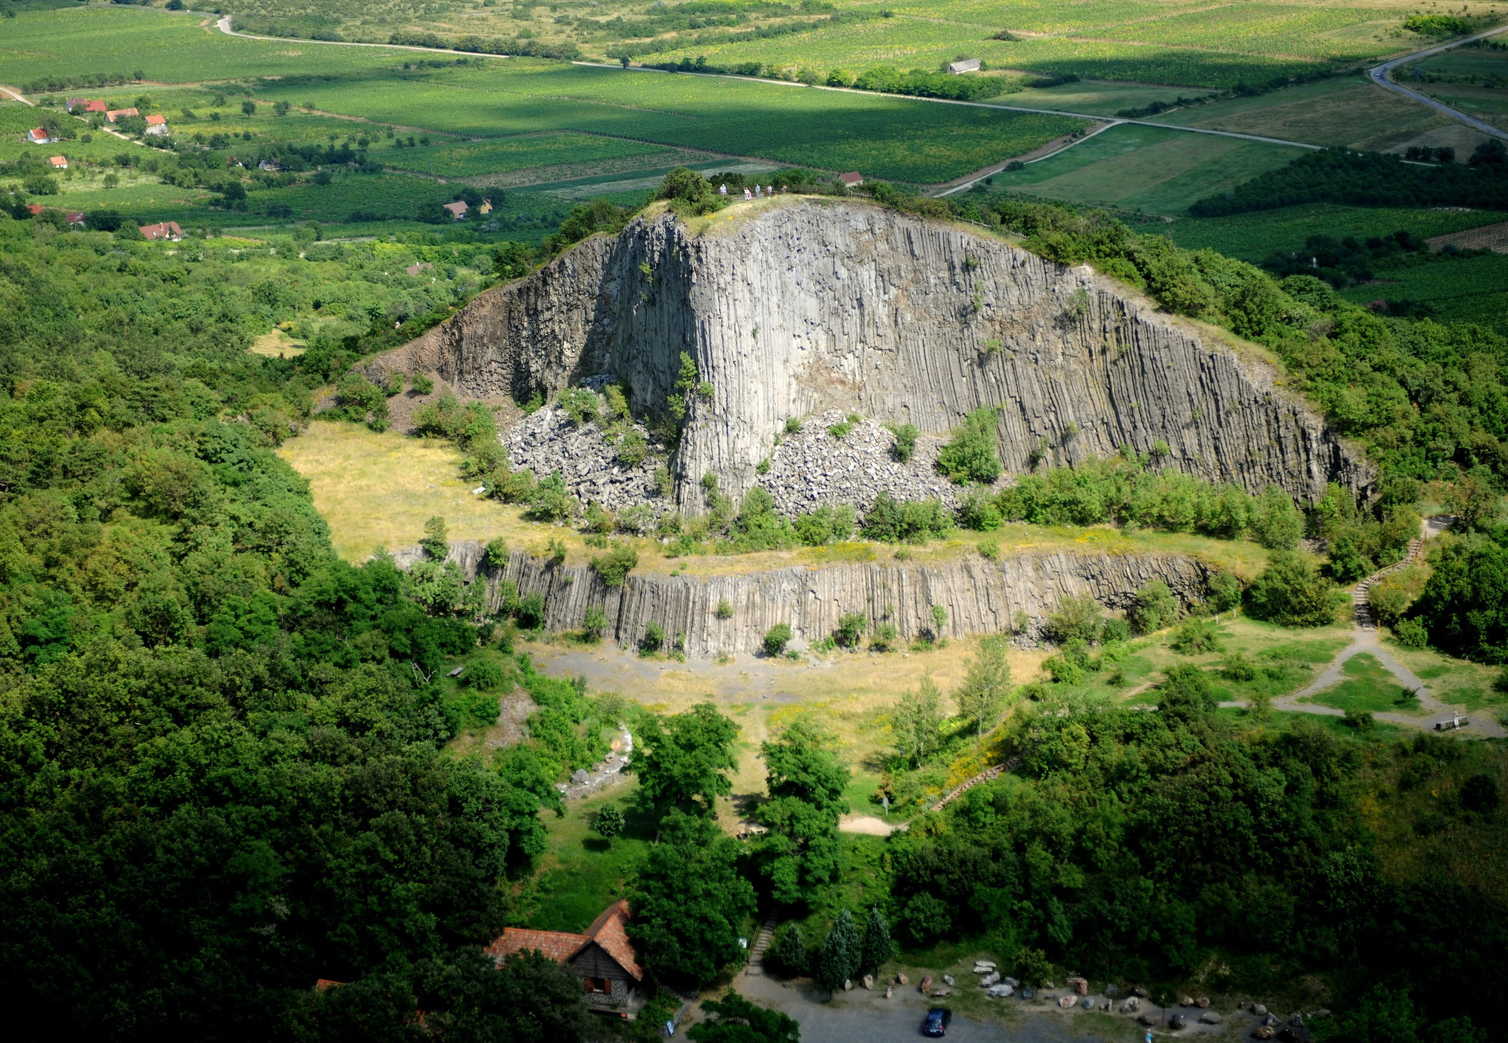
<point x="981" y="596"/>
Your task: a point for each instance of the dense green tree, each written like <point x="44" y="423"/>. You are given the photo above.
<point x="1153" y="608"/>
<point x="876" y="947"/>
<point x="806" y="781"/>
<point x="683" y="761"/>
<point x="734" y="1019"/>
<point x="1292" y="592"/>
<point x="1464" y="604"/>
<point x="842" y="950"/>
<point x="690" y="903"/>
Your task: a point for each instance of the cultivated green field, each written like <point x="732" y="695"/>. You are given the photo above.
<point x="470" y="158"/>
<point x="1145" y="169"/>
<point x="1464" y="289"/>
<point x="1254" y="236"/>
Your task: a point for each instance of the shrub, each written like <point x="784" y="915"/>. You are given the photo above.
<point x="1153" y="608"/>
<point x="598" y="520"/>
<point x="1076" y="618"/>
<point x="724" y="609"/>
<point x="615" y="565"/>
<point x="825" y="525"/>
<point x="1224" y="591"/>
<point x="422" y="384"/>
<point x="910" y="522"/>
<point x="972" y="455"/>
<point x="1238" y="667"/>
<point x="608" y="821"/>
<point x="580" y="404"/>
<point x="793" y="425"/>
<point x="850" y="630"/>
<point x="905" y="442"/>
<point x="841" y="429"/>
<point x="653" y="639"/>
<point x="550" y="502"/>
<point x="776" y="638"/>
<point x="1411" y="633"/>
<point x="884" y="637"/>
<point x="496" y="554"/>
<point x="594" y="624"/>
<point x="1359" y="719"/>
<point x="1290" y="591"/>
<point x="484" y="675"/>
<point x="633" y="448"/>
<point x="530" y="612"/>
<point x="978" y="512"/>
<point x="1196" y="637"/>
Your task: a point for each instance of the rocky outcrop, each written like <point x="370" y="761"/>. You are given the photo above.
<point x="981" y="596"/>
<point x="803" y="305"/>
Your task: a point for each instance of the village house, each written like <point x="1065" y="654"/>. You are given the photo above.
<point x="157" y="125"/>
<point x="75" y="105"/>
<point x="118" y="114"/>
<point x="76" y="218"/>
<point x="58" y="162"/>
<point x="852" y="179"/>
<point x="168" y="230"/>
<point x="457" y="209"/>
<point x="602" y="957"/>
<point x="96" y="105"/>
<point x="38" y="136"/>
<point x="963" y="65"/>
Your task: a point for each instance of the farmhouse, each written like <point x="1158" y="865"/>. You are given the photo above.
<point x="963" y="65"/>
<point x="602" y="958"/>
<point x="76" y="218"/>
<point x="96" y="105"/>
<point x="38" y="136"/>
<point x="118" y="114"/>
<point x="157" y="125"/>
<point x="458" y="209"/>
<point x="58" y="162"/>
<point x="851" y="179"/>
<point x="168" y="230"/>
<point x="76" y="104"/>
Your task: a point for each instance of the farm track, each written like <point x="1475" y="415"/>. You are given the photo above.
<point x="1382" y="75"/>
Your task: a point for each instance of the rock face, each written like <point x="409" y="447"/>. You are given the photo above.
<point x="982" y="597"/>
<point x="820" y="304"/>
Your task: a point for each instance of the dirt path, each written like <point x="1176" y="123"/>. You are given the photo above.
<point x="16" y="95"/>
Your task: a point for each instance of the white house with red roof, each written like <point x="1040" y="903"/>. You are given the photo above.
<point x="167" y="230"/>
<point x="39" y="136"/>
<point x="58" y="162"/>
<point x="602" y="957"/>
<point x="851" y="179"/>
<point x="157" y="126"/>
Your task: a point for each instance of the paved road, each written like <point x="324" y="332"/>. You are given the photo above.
<point x="1382" y="76"/>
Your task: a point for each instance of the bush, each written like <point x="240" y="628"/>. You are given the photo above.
<point x="884" y="637"/>
<point x="1076" y="618"/>
<point x="653" y="639"/>
<point x="1411" y="633"/>
<point x="911" y="522"/>
<point x="850" y="631"/>
<point x="776" y="638"/>
<point x="1224" y="591"/>
<point x="1196" y="637"/>
<point x="1291" y="592"/>
<point x="1153" y="608"/>
<point x="594" y="624"/>
<point x="608" y="821"/>
<point x="972" y="455"/>
<point x="724" y="609"/>
<point x="788" y="955"/>
<point x="530" y="612"/>
<point x="580" y="404"/>
<point x="615" y="565"/>
<point x="550" y="502"/>
<point x="905" y="442"/>
<point x="485" y="676"/>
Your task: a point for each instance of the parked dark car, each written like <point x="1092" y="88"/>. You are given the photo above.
<point x="935" y="1024"/>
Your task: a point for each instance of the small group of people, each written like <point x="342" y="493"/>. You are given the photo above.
<point x="758" y="191"/>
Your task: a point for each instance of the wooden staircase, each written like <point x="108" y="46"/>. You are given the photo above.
<point x="1361" y="603"/>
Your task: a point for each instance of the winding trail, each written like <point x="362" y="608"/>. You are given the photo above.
<point x="1366" y="641"/>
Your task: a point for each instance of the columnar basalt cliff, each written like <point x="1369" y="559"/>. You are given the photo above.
<point x="982" y="597"/>
<point x="798" y="305"/>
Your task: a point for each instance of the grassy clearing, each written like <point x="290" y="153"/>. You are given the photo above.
<point x="275" y="344"/>
<point x="1457" y="682"/>
<point x="1368" y="688"/>
<point x="580" y="872"/>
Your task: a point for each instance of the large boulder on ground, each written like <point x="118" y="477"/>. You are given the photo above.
<point x="948" y="980"/>
<point x="1177" y="1022"/>
<point x="1210" y="1017"/>
<point x="867" y="981"/>
<point x="984" y="966"/>
<point x="1066" y="1001"/>
<point x="1000" y="991"/>
<point x="901" y="979"/>
<point x="989" y="979"/>
<point x="1131" y="1006"/>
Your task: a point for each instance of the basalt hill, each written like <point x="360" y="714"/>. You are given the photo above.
<point x="819" y="309"/>
<point x="798" y="306"/>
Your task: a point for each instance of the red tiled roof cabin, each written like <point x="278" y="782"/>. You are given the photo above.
<point x="601" y="957"/>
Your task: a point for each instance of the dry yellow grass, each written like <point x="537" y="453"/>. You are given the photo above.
<point x="377" y="490"/>
<point x="275" y="344"/>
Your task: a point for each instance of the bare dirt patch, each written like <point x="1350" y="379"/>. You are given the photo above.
<point x="1488" y="237"/>
<point x="275" y="344"/>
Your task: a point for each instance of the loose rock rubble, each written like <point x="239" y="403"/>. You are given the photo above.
<point x="812" y="468"/>
<point x="548" y="441"/>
